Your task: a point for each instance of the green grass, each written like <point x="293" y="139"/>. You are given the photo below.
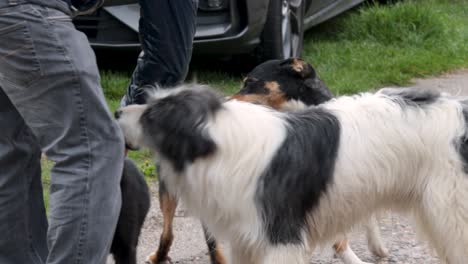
<point x="225" y="82"/>
<point x="371" y="46"/>
<point x="46" y="166"/>
<point x="114" y="85"/>
<point x="380" y="45"/>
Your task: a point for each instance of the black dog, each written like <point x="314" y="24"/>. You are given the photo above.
<point x="135" y="206"/>
<point x="284" y="85"/>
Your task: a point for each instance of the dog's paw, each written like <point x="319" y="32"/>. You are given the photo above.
<point x="347" y="255"/>
<point x="374" y="239"/>
<point x="377" y="247"/>
<point x="152" y="259"/>
<point x="379" y="251"/>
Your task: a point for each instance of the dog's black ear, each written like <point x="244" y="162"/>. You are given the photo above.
<point x="317" y="91"/>
<point x="176" y="125"/>
<point x="314" y="90"/>
<point x="299" y="68"/>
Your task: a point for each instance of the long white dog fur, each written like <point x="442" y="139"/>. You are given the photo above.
<point x="402" y="150"/>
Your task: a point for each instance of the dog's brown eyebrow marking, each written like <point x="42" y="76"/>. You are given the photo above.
<point x="297" y="65"/>
<point x="301" y="67"/>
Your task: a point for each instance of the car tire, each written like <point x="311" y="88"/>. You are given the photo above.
<point x="287" y="15"/>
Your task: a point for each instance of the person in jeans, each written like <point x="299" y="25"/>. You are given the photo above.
<point x="167" y="29"/>
<point x="51" y="101"/>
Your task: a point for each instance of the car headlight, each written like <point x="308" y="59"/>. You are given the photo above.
<point x="213" y="5"/>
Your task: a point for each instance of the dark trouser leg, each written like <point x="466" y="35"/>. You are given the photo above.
<point x="167" y="28"/>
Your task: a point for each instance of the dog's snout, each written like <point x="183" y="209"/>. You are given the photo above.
<point x="117" y="114"/>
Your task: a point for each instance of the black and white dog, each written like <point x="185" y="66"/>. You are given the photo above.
<point x="275" y="185"/>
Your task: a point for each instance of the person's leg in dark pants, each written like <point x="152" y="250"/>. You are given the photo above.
<point x="167" y="29"/>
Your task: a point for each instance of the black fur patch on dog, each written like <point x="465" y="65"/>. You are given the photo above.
<point x="297" y="83"/>
<point x="175" y="125"/>
<point x="299" y="174"/>
<point x="462" y="145"/>
<point x="135" y="206"/>
<point x="412" y="96"/>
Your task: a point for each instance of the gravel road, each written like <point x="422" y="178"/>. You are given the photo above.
<point x="397" y="232"/>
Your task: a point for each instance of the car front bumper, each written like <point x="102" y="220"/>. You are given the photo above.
<point x="234" y="31"/>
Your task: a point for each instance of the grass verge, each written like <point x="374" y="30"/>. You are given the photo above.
<point x="380" y="45"/>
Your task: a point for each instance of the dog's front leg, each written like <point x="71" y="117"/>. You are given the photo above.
<point x="168" y="205"/>
<point x="374" y="239"/>
<point x="345" y="253"/>
<point x="213" y="248"/>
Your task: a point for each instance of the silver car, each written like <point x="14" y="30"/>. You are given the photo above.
<point x="271" y="29"/>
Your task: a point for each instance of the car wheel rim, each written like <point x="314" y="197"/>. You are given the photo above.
<point x="291" y="27"/>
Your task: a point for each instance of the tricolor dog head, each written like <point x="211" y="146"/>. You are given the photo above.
<point x="173" y="123"/>
<point x="289" y="84"/>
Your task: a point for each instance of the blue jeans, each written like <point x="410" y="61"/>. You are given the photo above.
<point x="51" y="101"/>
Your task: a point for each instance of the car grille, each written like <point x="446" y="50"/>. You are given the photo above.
<point x="101" y="27"/>
<point x="88" y="24"/>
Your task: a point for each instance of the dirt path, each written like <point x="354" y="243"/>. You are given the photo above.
<point x="189" y="246"/>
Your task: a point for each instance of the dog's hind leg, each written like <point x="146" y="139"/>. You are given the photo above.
<point x="446" y="244"/>
<point x="286" y="254"/>
<point x="239" y="254"/>
<point x="168" y="205"/>
<point x="346" y="254"/>
<point x="213" y="248"/>
<point x="374" y="239"/>
<point x="443" y="218"/>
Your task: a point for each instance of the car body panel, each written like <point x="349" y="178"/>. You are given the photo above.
<point x="235" y="32"/>
<point x="316" y="15"/>
<point x="127" y="14"/>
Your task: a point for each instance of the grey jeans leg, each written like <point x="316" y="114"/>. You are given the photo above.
<point x="23" y="219"/>
<point x="49" y="73"/>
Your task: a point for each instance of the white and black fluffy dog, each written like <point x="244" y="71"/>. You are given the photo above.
<point x="275" y="185"/>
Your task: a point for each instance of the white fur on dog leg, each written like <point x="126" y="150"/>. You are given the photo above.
<point x="286" y="254"/>
<point x="238" y="254"/>
<point x="374" y="239"/>
<point x="348" y="257"/>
